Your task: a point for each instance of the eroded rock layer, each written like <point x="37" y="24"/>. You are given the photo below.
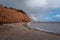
<point x="11" y="15"/>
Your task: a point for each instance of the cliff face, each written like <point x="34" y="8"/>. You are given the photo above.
<point x="11" y="15"/>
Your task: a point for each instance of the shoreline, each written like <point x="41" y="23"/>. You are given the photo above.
<point x="18" y="31"/>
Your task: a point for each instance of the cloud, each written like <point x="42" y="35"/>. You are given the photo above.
<point x="53" y="3"/>
<point x="32" y="3"/>
<point x="46" y="18"/>
<point x="43" y="3"/>
<point x="57" y="16"/>
<point x="36" y="3"/>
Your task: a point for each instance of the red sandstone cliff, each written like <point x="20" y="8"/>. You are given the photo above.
<point x="11" y="15"/>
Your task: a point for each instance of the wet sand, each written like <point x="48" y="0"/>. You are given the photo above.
<point x="19" y="31"/>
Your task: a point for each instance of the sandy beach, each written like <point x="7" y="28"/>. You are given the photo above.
<point x="19" y="31"/>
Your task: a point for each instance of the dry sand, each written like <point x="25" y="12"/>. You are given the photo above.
<point x="19" y="31"/>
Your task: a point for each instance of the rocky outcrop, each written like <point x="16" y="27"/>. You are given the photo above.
<point x="11" y="15"/>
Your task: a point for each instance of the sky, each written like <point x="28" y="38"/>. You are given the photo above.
<point x="38" y="10"/>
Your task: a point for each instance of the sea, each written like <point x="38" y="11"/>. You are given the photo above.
<point x="52" y="27"/>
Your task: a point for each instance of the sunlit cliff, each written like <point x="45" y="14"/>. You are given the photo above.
<point x="12" y="15"/>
